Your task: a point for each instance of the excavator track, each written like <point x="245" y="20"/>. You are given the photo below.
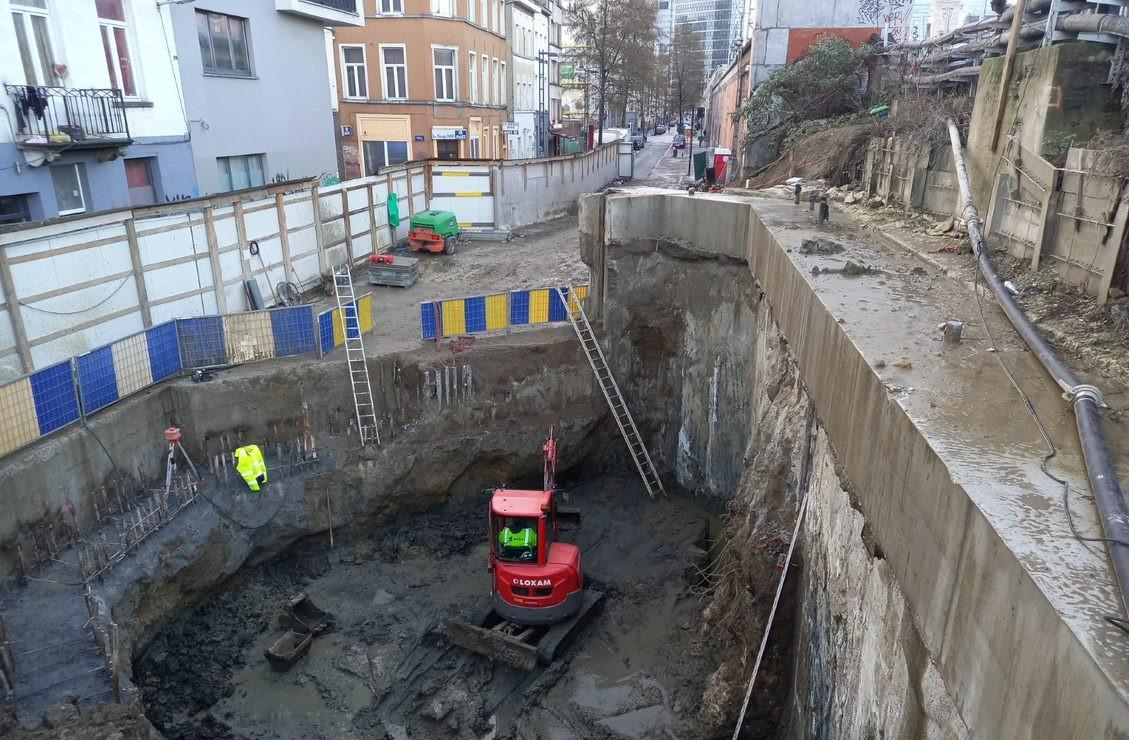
<point x="521" y="646"/>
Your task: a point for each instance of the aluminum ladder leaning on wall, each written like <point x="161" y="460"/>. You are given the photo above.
<point x="355" y="356"/>
<point x="623" y="420"/>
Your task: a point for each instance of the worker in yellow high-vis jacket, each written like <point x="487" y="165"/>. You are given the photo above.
<point x="249" y="463"/>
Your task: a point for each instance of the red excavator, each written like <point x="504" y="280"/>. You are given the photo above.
<point x="537" y="595"/>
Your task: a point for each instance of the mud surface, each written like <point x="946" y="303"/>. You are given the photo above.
<point x="385" y="671"/>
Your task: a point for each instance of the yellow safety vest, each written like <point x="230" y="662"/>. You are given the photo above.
<point x="522" y="538"/>
<point x="249" y="463"/>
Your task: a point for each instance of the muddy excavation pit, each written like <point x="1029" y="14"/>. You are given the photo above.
<point x="385" y="670"/>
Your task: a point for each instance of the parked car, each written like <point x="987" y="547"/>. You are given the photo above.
<point x="679" y="141"/>
<point x="637" y="141"/>
<point x="659" y="130"/>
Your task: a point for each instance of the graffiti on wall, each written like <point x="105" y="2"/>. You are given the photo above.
<point x="893" y="16"/>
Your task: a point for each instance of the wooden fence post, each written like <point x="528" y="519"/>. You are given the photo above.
<point x="241" y="236"/>
<point x="372" y="233"/>
<point x="319" y="237"/>
<point x="347" y="224"/>
<point x="284" y="239"/>
<point x="139" y="271"/>
<point x="14" y="315"/>
<point x="214" y="259"/>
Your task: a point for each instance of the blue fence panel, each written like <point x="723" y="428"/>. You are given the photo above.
<point x="325" y="331"/>
<point x="293" y="330"/>
<point x="519" y="308"/>
<point x="164" y="351"/>
<point x="351" y="321"/>
<point x="201" y="341"/>
<point x="56" y="402"/>
<point x="474" y="310"/>
<point x="97" y="381"/>
<point x="557" y="309"/>
<point x="427" y="320"/>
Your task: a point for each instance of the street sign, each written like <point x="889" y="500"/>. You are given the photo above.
<point x="510" y="127"/>
<point x="419" y="138"/>
<point x="446" y="133"/>
<point x="346" y="130"/>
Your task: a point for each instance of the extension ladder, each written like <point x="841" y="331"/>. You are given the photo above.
<point x="608" y="385"/>
<point x="355" y="356"/>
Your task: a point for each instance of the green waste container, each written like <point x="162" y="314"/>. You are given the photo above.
<point x="701" y="160"/>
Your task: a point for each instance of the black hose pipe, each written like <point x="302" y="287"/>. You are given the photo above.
<point x="1086" y="399"/>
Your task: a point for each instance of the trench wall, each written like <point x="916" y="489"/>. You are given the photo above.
<point x="538" y="380"/>
<point x="932" y="615"/>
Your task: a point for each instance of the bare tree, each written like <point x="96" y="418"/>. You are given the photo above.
<point x="687" y="70"/>
<point x="611" y="37"/>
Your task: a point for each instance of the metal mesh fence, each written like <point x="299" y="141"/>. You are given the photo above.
<point x="497" y="312"/>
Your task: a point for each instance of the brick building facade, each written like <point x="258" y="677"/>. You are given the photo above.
<point x="422" y="78"/>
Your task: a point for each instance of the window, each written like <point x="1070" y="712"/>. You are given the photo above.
<point x="503" y="84"/>
<point x="383" y="153"/>
<point x="444" y="8"/>
<point x="395" y="72"/>
<point x="390" y="7"/>
<point x="485" y="13"/>
<point x="68" y="189"/>
<point x="224" y="47"/>
<point x="246" y="171"/>
<point x="485" y="80"/>
<point x="496" y="94"/>
<point x="473" y="77"/>
<point x="499" y="17"/>
<point x="354" y="72"/>
<point x="444" y="63"/>
<point x="476" y="148"/>
<point x="470" y="10"/>
<point x="14" y="209"/>
<point x="139" y="178"/>
<point x="34" y="40"/>
<point x="115" y="45"/>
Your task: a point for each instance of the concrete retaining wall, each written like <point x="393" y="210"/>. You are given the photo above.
<point x="1018" y="651"/>
<point x="530" y="191"/>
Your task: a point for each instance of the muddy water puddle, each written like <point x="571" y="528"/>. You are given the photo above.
<point x="636" y="671"/>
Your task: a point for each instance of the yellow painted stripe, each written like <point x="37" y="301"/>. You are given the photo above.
<point x="338" y="330"/>
<point x="452" y="173"/>
<point x="466" y="224"/>
<point x="454" y="317"/>
<point x="538" y="306"/>
<point x="18" y="422"/>
<point x="469" y="195"/>
<point x="497" y="312"/>
<point x="575" y="296"/>
<point x="364" y="313"/>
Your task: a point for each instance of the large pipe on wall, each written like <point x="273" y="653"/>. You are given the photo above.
<point x="1086" y="399"/>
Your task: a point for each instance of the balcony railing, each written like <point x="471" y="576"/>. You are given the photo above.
<point x="345" y="6"/>
<point x="71" y="117"/>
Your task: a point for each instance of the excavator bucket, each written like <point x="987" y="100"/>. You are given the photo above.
<point x="521" y="646"/>
<point x="301" y="614"/>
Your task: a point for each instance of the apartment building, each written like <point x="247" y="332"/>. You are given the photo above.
<point x="93" y="119"/>
<point x="420" y="79"/>
<point x="255" y="80"/>
<point x="528" y="32"/>
<point x="118" y="103"/>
